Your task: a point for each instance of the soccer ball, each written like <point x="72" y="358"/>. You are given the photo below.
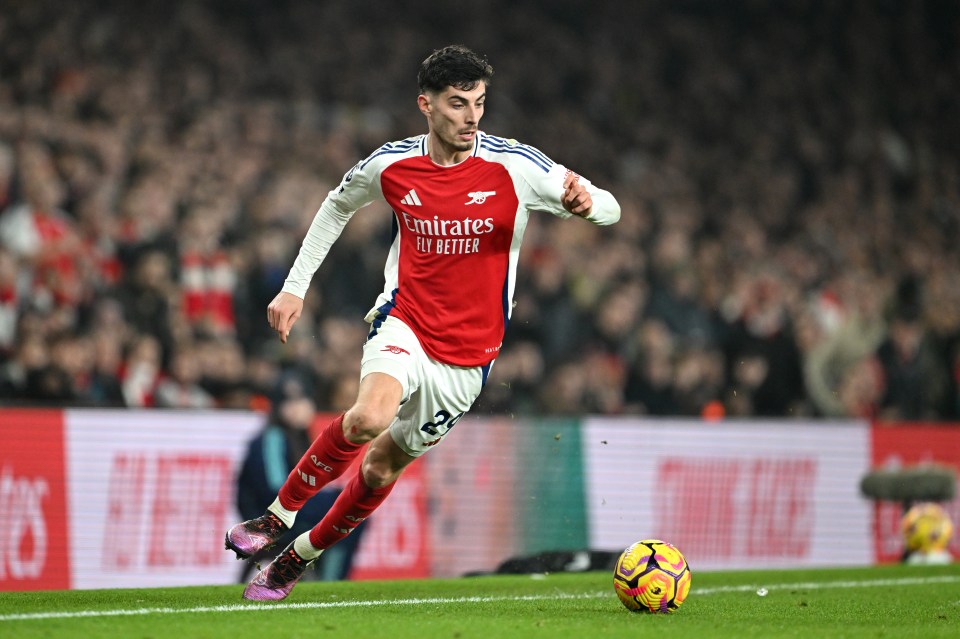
<point x="926" y="528"/>
<point x="652" y="575"/>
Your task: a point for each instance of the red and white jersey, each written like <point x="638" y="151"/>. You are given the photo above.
<point x="451" y="268"/>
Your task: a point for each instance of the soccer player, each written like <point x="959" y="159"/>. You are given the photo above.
<point x="461" y="200"/>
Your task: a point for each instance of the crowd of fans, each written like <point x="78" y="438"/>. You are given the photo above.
<point x="789" y="175"/>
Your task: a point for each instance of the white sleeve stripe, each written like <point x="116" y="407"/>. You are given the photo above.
<point x="404" y="146"/>
<point x="544" y="165"/>
<point x="498" y="143"/>
<point x="496" y="139"/>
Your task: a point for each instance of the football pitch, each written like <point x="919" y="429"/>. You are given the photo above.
<point x="886" y="601"/>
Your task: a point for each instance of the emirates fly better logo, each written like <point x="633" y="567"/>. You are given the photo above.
<point x="451" y="232"/>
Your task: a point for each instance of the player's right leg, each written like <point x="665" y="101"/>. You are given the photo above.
<point x="363" y="494"/>
<point x="390" y="371"/>
<point x="331" y="453"/>
<point x="328" y="456"/>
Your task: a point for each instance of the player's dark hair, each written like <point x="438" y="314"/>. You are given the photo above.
<point x="453" y="66"/>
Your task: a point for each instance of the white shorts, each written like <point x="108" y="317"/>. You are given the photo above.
<point x="435" y="396"/>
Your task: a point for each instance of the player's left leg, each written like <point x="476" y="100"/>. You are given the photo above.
<point x="381" y="467"/>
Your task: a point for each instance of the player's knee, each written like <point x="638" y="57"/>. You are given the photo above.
<point x="378" y="474"/>
<point x="361" y="424"/>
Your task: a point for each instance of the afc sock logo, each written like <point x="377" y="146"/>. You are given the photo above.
<point x="346" y="531"/>
<point x="319" y="464"/>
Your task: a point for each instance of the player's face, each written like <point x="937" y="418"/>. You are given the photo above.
<point x="453" y="116"/>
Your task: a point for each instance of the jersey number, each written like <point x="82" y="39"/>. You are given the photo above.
<point x="443" y="419"/>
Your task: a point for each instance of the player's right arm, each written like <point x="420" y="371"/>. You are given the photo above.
<point x="283" y="312"/>
<point x="358" y="188"/>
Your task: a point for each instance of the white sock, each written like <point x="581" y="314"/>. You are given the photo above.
<point x="286" y="516"/>
<point x="304" y="548"/>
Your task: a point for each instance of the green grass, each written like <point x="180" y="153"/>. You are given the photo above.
<point x="887" y="601"/>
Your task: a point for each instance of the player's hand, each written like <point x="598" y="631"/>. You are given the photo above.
<point x="283" y="312"/>
<point x="576" y="199"/>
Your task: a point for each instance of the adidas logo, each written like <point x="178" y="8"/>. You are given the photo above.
<point x="307" y="479"/>
<point x="411" y="199"/>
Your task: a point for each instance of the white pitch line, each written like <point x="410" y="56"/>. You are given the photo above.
<point x="312" y="605"/>
<point x="824" y="585"/>
<point x="813" y="585"/>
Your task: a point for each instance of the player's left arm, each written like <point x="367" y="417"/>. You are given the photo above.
<point x="588" y="201"/>
<point x="563" y="193"/>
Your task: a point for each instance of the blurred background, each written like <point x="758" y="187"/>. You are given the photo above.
<point x="789" y="174"/>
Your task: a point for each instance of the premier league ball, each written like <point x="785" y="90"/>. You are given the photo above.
<point x="926" y="531"/>
<point x="652" y="575"/>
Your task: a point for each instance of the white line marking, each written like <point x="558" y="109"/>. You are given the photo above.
<point x="812" y="585"/>
<point x="824" y="585"/>
<point x="292" y="606"/>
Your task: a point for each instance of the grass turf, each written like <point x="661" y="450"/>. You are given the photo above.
<point x="886" y="601"/>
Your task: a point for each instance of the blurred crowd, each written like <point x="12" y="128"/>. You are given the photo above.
<point x="789" y="175"/>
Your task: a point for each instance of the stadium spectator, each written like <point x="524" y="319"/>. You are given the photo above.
<point x="848" y="326"/>
<point x="104" y="388"/>
<point x="145" y="296"/>
<point x="914" y="381"/>
<point x="180" y="388"/>
<point x="141" y="371"/>
<point x="223" y="370"/>
<point x="30" y="356"/>
<point x="9" y="301"/>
